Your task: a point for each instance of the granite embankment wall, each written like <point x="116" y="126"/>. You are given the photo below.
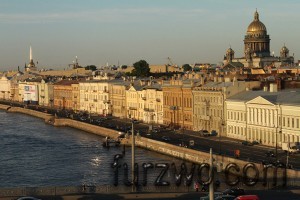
<point x="86" y="127"/>
<point x="63" y="121"/>
<point x="198" y="157"/>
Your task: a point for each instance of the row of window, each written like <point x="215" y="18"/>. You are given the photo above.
<point x="91" y="88"/>
<point x="177" y="101"/>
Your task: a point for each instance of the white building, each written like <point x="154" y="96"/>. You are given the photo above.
<point x="5" y="88"/>
<point x="264" y="116"/>
<point x="94" y="97"/>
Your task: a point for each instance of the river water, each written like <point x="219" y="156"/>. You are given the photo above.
<point x="34" y="154"/>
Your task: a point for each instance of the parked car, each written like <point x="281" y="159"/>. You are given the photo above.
<point x="247" y="197"/>
<point x="247" y="143"/>
<point x="270" y="154"/>
<point x="255" y="142"/>
<point x="165" y="138"/>
<point x="214" y="133"/>
<point x="234" y="192"/>
<point x="204" y="133"/>
<point x="225" y="197"/>
<point x="216" y="194"/>
<point x="28" y="198"/>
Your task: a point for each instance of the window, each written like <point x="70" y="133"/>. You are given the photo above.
<point x="297" y="123"/>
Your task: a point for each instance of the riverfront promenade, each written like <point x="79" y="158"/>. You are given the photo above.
<point x="154" y="145"/>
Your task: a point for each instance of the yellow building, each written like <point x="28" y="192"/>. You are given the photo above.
<point x="62" y="93"/>
<point x="178" y="103"/>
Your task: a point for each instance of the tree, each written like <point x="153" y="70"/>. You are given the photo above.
<point x="141" y="69"/>
<point x="186" y="67"/>
<point x="124" y="67"/>
<point x="91" y="67"/>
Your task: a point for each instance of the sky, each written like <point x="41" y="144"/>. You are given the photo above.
<point x="125" y="31"/>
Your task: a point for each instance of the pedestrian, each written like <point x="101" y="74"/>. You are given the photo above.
<point x="196" y="186"/>
<point x="83" y="188"/>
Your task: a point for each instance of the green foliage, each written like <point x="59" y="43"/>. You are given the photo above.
<point x="91" y="67"/>
<point x="141" y="69"/>
<point x="186" y="67"/>
<point x="124" y="66"/>
<point x="196" y="69"/>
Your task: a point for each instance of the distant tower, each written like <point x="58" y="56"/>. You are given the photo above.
<point x="229" y="55"/>
<point x="31" y="65"/>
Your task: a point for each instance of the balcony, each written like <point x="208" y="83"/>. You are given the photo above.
<point x="105" y="91"/>
<point x="158" y="100"/>
<point x="173" y="108"/>
<point x="132" y="108"/>
<point x="148" y="110"/>
<point x="86" y="99"/>
<point x="94" y="90"/>
<point x="95" y="100"/>
<point x="144" y="98"/>
<point x="106" y="101"/>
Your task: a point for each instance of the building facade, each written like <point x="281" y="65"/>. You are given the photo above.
<point x="268" y="117"/>
<point x="178" y="103"/>
<point x="94" y="97"/>
<point x="62" y="94"/>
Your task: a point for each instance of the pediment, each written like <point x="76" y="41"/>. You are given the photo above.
<point x="131" y="88"/>
<point x="262" y="100"/>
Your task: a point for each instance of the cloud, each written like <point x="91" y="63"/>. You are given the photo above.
<point x="101" y="15"/>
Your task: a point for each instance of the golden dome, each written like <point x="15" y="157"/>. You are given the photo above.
<point x="256" y="25"/>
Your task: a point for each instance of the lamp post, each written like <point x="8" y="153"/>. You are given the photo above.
<point x="132" y="151"/>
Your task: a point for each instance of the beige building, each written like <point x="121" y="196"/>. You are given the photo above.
<point x="269" y="117"/>
<point x="152" y="96"/>
<point x="208" y="108"/>
<point x="135" y="101"/>
<point x="45" y="91"/>
<point x="75" y="96"/>
<point x="94" y="97"/>
<point x="117" y="91"/>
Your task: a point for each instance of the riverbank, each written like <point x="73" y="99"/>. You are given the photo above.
<point x="183" y="153"/>
<point x="50" y="119"/>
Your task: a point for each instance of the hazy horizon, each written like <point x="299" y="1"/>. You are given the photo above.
<point x="100" y="32"/>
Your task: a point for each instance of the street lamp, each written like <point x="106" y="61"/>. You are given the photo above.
<point x="132" y="150"/>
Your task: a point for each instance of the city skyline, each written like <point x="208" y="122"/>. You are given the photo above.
<point x="113" y="32"/>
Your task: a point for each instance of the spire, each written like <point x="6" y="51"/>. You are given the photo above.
<point x="256" y="16"/>
<point x="30" y="54"/>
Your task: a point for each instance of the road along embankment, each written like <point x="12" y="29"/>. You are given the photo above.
<point x="198" y="157"/>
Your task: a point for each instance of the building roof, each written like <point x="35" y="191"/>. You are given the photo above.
<point x="288" y="97"/>
<point x="66" y="82"/>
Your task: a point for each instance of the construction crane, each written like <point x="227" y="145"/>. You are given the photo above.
<point x="170" y="61"/>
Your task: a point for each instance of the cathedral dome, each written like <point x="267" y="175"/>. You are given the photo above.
<point x="284" y="49"/>
<point x="256" y="26"/>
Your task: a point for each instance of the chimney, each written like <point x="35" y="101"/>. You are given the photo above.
<point x="273" y="87"/>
